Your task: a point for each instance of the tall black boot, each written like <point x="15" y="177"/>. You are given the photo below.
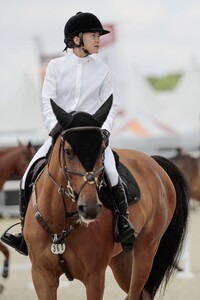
<point x="124" y="227"/>
<point x="17" y="241"/>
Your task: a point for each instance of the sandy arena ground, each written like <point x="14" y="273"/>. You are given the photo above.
<point x="184" y="286"/>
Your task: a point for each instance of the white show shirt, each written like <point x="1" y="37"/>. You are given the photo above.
<point x="77" y="84"/>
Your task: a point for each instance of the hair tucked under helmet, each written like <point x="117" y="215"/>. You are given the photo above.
<point x="80" y="23"/>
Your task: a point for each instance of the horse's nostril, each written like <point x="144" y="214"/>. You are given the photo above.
<point x="81" y="208"/>
<point x="89" y="212"/>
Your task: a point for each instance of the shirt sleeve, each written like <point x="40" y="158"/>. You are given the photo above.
<point x="49" y="91"/>
<point x="106" y="90"/>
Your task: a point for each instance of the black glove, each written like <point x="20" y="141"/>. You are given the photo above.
<point x="105" y="136"/>
<point x="55" y="131"/>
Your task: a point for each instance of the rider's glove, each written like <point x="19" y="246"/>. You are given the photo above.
<point x="105" y="136"/>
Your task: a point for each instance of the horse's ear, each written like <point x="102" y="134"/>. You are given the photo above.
<point x="102" y="113"/>
<point x="19" y="143"/>
<point x="29" y="145"/>
<point x="64" y="118"/>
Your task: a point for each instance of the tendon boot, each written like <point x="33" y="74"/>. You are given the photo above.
<point x="17" y="241"/>
<point x="125" y="229"/>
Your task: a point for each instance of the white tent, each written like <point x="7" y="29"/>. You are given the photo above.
<point x="161" y="119"/>
<point x="20" y="104"/>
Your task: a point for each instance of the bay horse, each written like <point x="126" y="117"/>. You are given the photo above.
<point x="14" y="161"/>
<point x="68" y="230"/>
<point x="190" y="167"/>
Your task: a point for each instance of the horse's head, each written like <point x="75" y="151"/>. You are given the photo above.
<point x="28" y="150"/>
<point x="22" y="155"/>
<point x="82" y="151"/>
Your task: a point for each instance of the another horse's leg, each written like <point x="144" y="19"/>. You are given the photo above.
<point x="6" y="252"/>
<point x="121" y="266"/>
<point x="45" y="283"/>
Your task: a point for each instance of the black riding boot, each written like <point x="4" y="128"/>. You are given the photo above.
<point x="125" y="228"/>
<point x="17" y="241"/>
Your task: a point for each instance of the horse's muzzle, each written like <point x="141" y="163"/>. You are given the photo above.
<point x="89" y="211"/>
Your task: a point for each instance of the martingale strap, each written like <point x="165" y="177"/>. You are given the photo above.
<point x="44" y="225"/>
<point x="65" y="267"/>
<point x="38" y="215"/>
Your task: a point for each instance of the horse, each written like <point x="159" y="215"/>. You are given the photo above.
<point x="68" y="230"/>
<point x="14" y="161"/>
<point x="190" y="167"/>
<point x="6" y="253"/>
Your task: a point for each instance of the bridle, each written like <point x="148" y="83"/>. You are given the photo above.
<point x="96" y="177"/>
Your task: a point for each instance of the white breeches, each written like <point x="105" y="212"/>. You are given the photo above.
<point x="109" y="163"/>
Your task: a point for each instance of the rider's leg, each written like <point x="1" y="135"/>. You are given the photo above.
<point x="17" y="241"/>
<point x="125" y="228"/>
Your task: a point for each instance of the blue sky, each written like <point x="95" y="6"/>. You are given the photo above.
<point x="159" y="36"/>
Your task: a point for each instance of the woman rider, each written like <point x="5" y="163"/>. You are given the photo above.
<point x="79" y="82"/>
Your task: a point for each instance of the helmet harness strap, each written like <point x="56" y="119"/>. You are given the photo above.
<point x="81" y="45"/>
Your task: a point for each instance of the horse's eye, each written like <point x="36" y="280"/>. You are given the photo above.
<point x="69" y="153"/>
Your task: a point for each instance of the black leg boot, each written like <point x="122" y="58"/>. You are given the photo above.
<point x="17" y="241"/>
<point x="125" y="228"/>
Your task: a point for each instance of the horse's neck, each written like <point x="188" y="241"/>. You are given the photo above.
<point x="12" y="163"/>
<point x="7" y="151"/>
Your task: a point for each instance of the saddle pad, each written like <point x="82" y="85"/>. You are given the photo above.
<point x="131" y="187"/>
<point x="36" y="168"/>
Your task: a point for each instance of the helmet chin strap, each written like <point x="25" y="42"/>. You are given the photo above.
<point x="81" y="45"/>
<point x="86" y="52"/>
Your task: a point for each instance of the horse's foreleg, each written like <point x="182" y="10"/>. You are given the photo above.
<point x="121" y="266"/>
<point x="45" y="283"/>
<point x="95" y="284"/>
<point x="143" y="256"/>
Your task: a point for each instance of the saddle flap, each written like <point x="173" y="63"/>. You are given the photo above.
<point x="131" y="187"/>
<point x="34" y="171"/>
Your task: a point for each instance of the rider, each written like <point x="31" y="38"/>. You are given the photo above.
<point x="79" y="82"/>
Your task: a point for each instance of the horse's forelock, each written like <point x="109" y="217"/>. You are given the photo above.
<point x="82" y="119"/>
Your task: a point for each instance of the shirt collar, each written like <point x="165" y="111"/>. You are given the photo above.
<point x="79" y="60"/>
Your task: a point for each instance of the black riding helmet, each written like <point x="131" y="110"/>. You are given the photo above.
<point x="80" y="23"/>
